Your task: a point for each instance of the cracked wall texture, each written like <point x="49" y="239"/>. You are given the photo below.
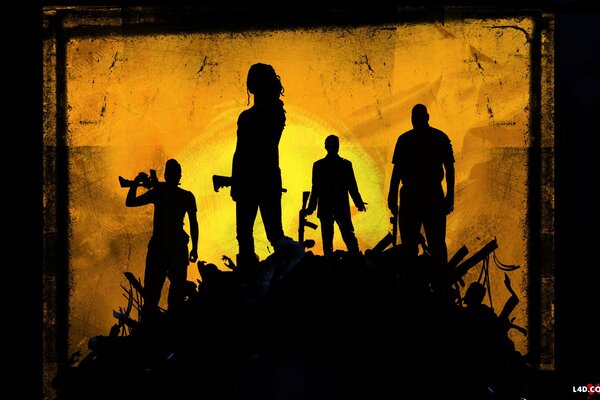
<point x="135" y="101"/>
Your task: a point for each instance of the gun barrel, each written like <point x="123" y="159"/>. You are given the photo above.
<point x="311" y="224"/>
<point x="220" y="181"/>
<point x="383" y="243"/>
<point x="475" y="259"/>
<point x="305" y="196"/>
<point x="394" y="222"/>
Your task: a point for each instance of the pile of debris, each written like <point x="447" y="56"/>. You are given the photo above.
<point x="303" y="326"/>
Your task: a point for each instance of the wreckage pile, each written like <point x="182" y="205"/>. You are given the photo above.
<point x="302" y="326"/>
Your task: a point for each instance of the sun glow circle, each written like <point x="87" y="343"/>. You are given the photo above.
<point x="302" y="143"/>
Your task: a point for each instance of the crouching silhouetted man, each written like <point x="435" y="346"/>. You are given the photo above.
<point x="332" y="180"/>
<point x="168" y="247"/>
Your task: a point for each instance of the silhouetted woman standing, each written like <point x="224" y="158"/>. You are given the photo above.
<point x="256" y="177"/>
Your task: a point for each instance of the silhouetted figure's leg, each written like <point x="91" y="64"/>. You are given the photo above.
<point x="409" y="223"/>
<point x="327" y="235"/>
<point x="245" y="212"/>
<point x="270" y="211"/>
<point x="344" y="222"/>
<point x="177" y="278"/>
<point x="154" y="277"/>
<point x="434" y="224"/>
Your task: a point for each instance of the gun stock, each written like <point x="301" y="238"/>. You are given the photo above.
<point x="148" y="181"/>
<point x="124" y="182"/>
<point x="220" y="181"/>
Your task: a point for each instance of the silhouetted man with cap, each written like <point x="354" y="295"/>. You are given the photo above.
<point x="422" y="157"/>
<point x="168" y="247"/>
<point x="332" y="180"/>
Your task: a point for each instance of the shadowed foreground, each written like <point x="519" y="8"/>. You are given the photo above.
<point x="300" y="326"/>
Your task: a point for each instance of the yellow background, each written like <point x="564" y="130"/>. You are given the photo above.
<point x="136" y="101"/>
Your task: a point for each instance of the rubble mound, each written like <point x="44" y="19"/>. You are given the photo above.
<point x="303" y="326"/>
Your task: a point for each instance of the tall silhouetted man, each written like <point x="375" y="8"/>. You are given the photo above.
<point x="256" y="177"/>
<point x="422" y="157"/>
<point x="332" y="180"/>
<point x="168" y="247"/>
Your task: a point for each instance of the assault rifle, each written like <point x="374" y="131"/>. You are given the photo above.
<point x="302" y="217"/>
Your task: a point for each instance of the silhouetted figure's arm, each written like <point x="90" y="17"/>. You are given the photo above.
<point x="449" y="200"/>
<point x="315" y="191"/>
<point x="353" y="189"/>
<point x="133" y="200"/>
<point x="194" y="234"/>
<point x="394" y="188"/>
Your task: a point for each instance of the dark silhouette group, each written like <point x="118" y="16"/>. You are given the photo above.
<point x="422" y="158"/>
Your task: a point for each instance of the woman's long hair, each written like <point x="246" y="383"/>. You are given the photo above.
<point x="263" y="82"/>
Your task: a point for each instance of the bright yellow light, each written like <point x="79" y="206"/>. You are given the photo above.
<point x="302" y="143"/>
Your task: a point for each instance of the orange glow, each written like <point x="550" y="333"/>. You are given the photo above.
<point x="136" y="101"/>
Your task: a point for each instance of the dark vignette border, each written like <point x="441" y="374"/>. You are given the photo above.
<point x="63" y="23"/>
